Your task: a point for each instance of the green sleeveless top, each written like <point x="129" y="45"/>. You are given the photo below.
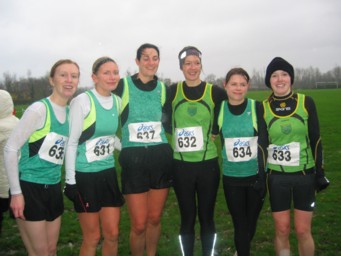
<point x="192" y="126"/>
<point x="143" y="126"/>
<point x="240" y="150"/>
<point x="42" y="155"/>
<point x="289" y="149"/>
<point x="96" y="143"/>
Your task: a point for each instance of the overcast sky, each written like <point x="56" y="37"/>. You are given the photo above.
<point x="247" y="33"/>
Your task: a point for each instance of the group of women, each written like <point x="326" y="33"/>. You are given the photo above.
<point x="279" y="136"/>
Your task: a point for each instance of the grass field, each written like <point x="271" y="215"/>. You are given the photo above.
<point x="326" y="222"/>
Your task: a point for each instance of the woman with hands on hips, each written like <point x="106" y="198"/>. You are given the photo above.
<point x="39" y="140"/>
<point x="91" y="179"/>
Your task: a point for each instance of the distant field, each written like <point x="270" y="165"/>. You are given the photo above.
<point x="326" y="222"/>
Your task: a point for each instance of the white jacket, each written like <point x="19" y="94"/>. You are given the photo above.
<point x="7" y="123"/>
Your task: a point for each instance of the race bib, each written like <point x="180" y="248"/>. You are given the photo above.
<point x="241" y="149"/>
<point x="286" y="155"/>
<point x="53" y="148"/>
<point x="188" y="139"/>
<point x="99" y="148"/>
<point x="145" y="132"/>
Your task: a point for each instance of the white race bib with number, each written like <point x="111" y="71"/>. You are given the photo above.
<point x="145" y="132"/>
<point x="241" y="149"/>
<point x="286" y="155"/>
<point x="53" y="148"/>
<point x="99" y="148"/>
<point x="188" y="139"/>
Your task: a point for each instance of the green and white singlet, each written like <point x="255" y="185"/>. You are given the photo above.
<point x="240" y="150"/>
<point x="96" y="143"/>
<point x="42" y="155"/>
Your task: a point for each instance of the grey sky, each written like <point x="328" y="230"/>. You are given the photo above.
<point x="247" y="33"/>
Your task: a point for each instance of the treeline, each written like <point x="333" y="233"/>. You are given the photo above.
<point x="28" y="89"/>
<point x="305" y="78"/>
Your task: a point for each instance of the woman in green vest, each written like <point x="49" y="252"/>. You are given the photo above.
<point x="244" y="139"/>
<point x="146" y="156"/>
<point x="91" y="179"/>
<point x="40" y="140"/>
<point x="295" y="163"/>
<point x="194" y="107"/>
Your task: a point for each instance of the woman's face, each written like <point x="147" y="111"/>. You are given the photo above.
<point x="236" y="88"/>
<point x="65" y="80"/>
<point x="280" y="81"/>
<point x="106" y="78"/>
<point x="148" y="64"/>
<point x="191" y="68"/>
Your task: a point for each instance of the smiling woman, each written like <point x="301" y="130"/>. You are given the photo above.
<point x="146" y="157"/>
<point x="295" y="159"/>
<point x="91" y="179"/>
<point x="193" y="105"/>
<point x="244" y="142"/>
<point x="36" y="198"/>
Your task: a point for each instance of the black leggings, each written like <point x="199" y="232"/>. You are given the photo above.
<point x="244" y="204"/>
<point x="196" y="186"/>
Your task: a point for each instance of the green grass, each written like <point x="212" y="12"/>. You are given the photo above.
<point x="326" y="222"/>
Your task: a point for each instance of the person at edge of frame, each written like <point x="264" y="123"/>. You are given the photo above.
<point x="7" y="123"/>
<point x="34" y="155"/>
<point x="295" y="159"/>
